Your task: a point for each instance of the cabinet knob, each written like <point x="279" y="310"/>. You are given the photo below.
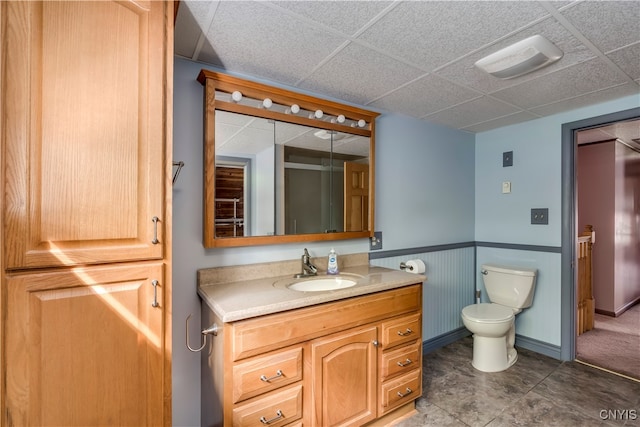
<point x="375" y="343"/>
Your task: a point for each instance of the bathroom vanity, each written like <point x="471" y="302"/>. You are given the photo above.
<point x="349" y="356"/>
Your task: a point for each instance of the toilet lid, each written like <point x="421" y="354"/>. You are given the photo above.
<point x="487" y="313"/>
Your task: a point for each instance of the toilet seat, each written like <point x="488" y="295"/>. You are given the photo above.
<point x="488" y="313"/>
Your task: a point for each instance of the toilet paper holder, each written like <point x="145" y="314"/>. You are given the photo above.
<point x="404" y="266"/>
<point x="415" y="266"/>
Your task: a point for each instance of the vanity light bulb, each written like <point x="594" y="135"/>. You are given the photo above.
<point x="236" y="96"/>
<point x="341" y="118"/>
<point x="267" y="103"/>
<point x="295" y="108"/>
<point x="318" y="114"/>
<point x="361" y="123"/>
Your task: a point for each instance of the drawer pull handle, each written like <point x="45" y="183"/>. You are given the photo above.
<point x="405" y="363"/>
<point x="279" y="415"/>
<point x="407" y="393"/>
<point x="405" y="333"/>
<point x="276" y="376"/>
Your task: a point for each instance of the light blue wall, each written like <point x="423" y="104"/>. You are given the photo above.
<point x="424" y="196"/>
<point x="424" y="183"/>
<point x="536" y="182"/>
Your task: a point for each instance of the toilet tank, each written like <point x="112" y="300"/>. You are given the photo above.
<point x="509" y="286"/>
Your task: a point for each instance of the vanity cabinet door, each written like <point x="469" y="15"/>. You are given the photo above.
<point x="343" y="379"/>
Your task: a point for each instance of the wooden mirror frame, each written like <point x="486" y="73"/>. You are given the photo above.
<point x="212" y="82"/>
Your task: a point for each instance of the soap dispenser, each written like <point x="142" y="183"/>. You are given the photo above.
<point x="332" y="262"/>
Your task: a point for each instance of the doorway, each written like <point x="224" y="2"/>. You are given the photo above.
<point x="570" y="230"/>
<point x="608" y="189"/>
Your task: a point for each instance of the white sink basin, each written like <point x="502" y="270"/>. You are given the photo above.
<point x="318" y="284"/>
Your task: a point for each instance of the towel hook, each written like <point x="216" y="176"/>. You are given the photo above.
<point x="179" y="166"/>
<point x="211" y="330"/>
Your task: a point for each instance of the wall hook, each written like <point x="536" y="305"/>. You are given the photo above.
<point x="211" y="330"/>
<point x="179" y="166"/>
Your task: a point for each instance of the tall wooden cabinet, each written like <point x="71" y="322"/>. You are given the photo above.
<point x="86" y="202"/>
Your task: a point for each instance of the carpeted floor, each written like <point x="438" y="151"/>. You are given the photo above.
<point x="613" y="344"/>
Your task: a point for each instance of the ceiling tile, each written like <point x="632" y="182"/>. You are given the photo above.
<point x="252" y="38"/>
<point x="628" y="59"/>
<point x="511" y="119"/>
<point x="465" y="72"/>
<point x="471" y="112"/>
<point x="426" y="95"/>
<point x="607" y="24"/>
<point x="345" y="16"/>
<point x="568" y="82"/>
<point x="363" y="75"/>
<point x="432" y="33"/>
<point x="588" y="99"/>
<point x="185" y="43"/>
<point x="384" y="53"/>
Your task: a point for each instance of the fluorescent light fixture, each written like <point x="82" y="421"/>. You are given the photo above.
<point x="520" y="58"/>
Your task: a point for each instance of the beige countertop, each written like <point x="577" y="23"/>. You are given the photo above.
<point x="231" y="299"/>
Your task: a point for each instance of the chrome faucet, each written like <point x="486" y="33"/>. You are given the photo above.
<point x="308" y="269"/>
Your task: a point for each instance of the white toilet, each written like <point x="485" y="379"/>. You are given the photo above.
<point x="510" y="289"/>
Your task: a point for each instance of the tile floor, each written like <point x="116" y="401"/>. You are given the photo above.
<point x="537" y="390"/>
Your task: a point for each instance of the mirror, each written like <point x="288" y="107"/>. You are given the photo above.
<point x="273" y="175"/>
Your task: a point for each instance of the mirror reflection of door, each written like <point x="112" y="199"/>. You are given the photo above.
<point x="356" y="196"/>
<point x="230" y="200"/>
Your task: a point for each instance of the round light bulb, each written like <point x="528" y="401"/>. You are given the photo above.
<point x="236" y="96"/>
<point x="267" y="103"/>
<point x="341" y="118"/>
<point x="361" y="123"/>
<point x="318" y="114"/>
<point x="295" y="108"/>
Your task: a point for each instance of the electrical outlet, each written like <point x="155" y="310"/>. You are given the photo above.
<point x="540" y="216"/>
<point x="375" y="243"/>
<point x="507" y="159"/>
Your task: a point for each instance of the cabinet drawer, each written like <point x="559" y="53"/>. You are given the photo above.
<point x="277" y="408"/>
<point x="401" y="390"/>
<point x="265" y="373"/>
<point x="400" y="360"/>
<point x="401" y="330"/>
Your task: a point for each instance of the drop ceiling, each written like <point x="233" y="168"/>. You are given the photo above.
<point x="417" y="57"/>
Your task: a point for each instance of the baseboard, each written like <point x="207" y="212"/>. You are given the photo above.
<point x="547" y="349"/>
<point x="444" y="339"/>
<point x="619" y="311"/>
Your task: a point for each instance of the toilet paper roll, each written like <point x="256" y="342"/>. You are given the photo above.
<point x="415" y="266"/>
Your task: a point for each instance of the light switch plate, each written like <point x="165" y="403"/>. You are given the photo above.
<point x="506" y="187"/>
<point x="540" y="216"/>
